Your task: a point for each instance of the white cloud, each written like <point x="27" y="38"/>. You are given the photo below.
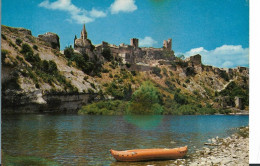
<point x="147" y="42"/>
<point x="77" y="15"/>
<point x="224" y="56"/>
<point x="96" y="13"/>
<point x="123" y="6"/>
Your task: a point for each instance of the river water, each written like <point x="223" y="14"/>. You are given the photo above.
<point x="87" y="139"/>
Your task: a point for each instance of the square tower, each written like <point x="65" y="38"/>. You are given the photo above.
<point x="167" y="44"/>
<point x="134" y="42"/>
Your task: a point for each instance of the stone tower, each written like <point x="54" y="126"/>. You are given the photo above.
<point x="134" y="42"/>
<point x="167" y="44"/>
<point x="84" y="34"/>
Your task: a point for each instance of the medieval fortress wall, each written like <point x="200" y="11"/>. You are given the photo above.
<point x="144" y="58"/>
<point x="132" y="53"/>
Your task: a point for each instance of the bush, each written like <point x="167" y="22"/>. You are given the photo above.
<point x="110" y="75"/>
<point x="18" y="41"/>
<point x="26" y="49"/>
<point x="146" y="100"/>
<point x="133" y="73"/>
<point x="33" y="59"/>
<point x="224" y="75"/>
<point x="128" y="65"/>
<point x="3" y="54"/>
<point x="35" y="47"/>
<point x="3" y="36"/>
<point x="110" y="107"/>
<point x="180" y="99"/>
<point x="68" y="52"/>
<point x="165" y="72"/>
<point x="170" y="85"/>
<point x="157" y="71"/>
<point x="190" y="71"/>
<point x="106" y="53"/>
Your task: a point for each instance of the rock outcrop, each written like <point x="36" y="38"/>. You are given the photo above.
<point x="52" y="39"/>
<point x="25" y="31"/>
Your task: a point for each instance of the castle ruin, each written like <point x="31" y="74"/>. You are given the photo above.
<point x="167" y="44"/>
<point x="129" y="53"/>
<point x="134" y="42"/>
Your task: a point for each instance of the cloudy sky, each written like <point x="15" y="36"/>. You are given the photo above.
<point x="218" y="30"/>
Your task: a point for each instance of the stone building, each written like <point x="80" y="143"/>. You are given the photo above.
<point x="134" y="42"/>
<point x="167" y="44"/>
<point x="83" y="44"/>
<point x="129" y="53"/>
<point x="238" y="103"/>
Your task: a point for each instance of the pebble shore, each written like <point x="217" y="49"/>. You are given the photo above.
<point x="230" y="151"/>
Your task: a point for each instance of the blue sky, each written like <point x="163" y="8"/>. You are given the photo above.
<point x="216" y="29"/>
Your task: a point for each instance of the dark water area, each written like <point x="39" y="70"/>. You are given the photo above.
<point x="86" y="140"/>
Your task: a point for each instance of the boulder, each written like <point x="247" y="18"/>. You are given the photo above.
<point x="52" y="39"/>
<point x="25" y="31"/>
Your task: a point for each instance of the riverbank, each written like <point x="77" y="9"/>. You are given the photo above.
<point x="233" y="150"/>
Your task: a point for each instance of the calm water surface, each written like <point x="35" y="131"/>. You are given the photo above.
<point x="86" y="140"/>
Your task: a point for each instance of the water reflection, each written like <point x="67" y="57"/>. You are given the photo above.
<point x="144" y="122"/>
<point x="86" y="140"/>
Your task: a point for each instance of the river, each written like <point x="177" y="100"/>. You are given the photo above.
<point x="86" y="139"/>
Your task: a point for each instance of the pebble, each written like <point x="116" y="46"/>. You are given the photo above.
<point x="229" y="151"/>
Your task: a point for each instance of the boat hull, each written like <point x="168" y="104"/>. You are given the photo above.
<point x="149" y="154"/>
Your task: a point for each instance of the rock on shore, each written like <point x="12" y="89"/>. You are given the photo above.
<point x="233" y="150"/>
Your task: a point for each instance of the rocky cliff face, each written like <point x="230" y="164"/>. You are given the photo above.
<point x="51" y="39"/>
<point x="28" y="87"/>
<point x="37" y="77"/>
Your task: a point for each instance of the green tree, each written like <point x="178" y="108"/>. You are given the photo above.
<point x="146" y="100"/>
<point x="68" y="52"/>
<point x="106" y="53"/>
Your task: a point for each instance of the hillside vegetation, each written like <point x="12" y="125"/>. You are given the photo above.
<point x="31" y="65"/>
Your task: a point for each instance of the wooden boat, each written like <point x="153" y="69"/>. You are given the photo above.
<point x="149" y="154"/>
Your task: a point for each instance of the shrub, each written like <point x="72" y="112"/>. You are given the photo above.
<point x="106" y="53"/>
<point x="3" y="36"/>
<point x="157" y="71"/>
<point x="36" y="47"/>
<point x="165" y="72"/>
<point x="170" y="85"/>
<point x="110" y="75"/>
<point x="18" y="41"/>
<point x="224" y="75"/>
<point x="133" y="73"/>
<point x="68" y="52"/>
<point x="32" y="58"/>
<point x="146" y="100"/>
<point x="180" y="99"/>
<point x="105" y="71"/>
<point x="190" y="71"/>
<point x="128" y="65"/>
<point x="93" y="85"/>
<point x="3" y="54"/>
<point x="26" y="48"/>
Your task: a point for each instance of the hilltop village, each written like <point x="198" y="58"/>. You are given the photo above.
<point x="132" y="54"/>
<point x="46" y="78"/>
